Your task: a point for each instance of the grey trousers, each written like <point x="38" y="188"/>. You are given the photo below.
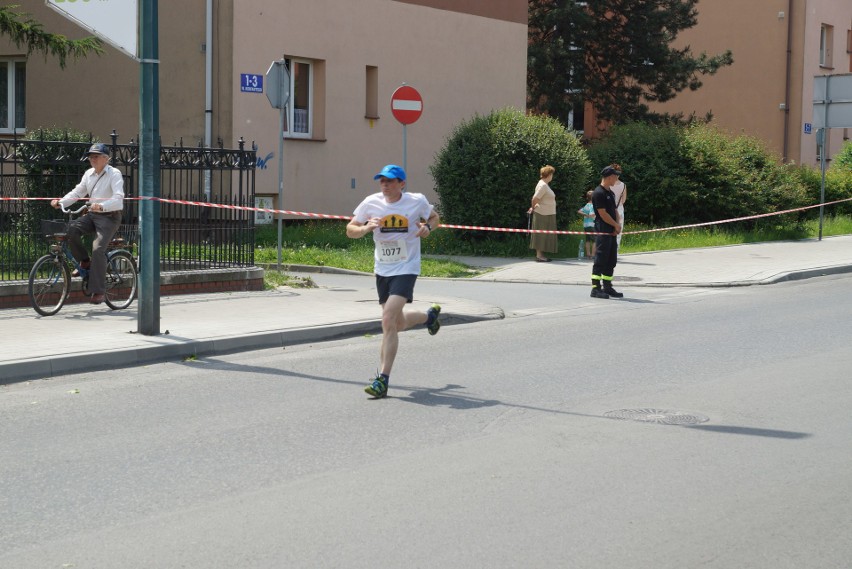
<point x="103" y="226"/>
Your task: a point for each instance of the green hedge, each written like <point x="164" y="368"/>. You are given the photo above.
<point x="695" y="174"/>
<point x="487" y="171"/>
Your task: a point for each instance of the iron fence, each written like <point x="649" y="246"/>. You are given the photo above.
<point x="191" y="237"/>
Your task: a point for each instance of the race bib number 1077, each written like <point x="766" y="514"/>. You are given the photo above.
<point x="392" y="251"/>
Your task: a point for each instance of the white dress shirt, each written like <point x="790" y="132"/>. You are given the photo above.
<point x="106" y="189"/>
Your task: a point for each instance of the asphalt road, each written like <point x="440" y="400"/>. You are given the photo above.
<point x="713" y="432"/>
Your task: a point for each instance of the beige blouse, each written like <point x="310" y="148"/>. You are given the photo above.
<point x="546" y="197"/>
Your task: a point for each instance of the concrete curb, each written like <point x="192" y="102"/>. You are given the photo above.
<point x="64" y="364"/>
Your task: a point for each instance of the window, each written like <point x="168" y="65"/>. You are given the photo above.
<point x="372" y="109"/>
<point x="849" y="47"/>
<point x="13" y="100"/>
<point x="825" y="39"/>
<point x="299" y="110"/>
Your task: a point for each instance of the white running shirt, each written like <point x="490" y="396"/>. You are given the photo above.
<point x="397" y="248"/>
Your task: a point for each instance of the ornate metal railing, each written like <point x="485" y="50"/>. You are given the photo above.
<point x="191" y="237"/>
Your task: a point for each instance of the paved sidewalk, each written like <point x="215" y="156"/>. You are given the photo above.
<point x="735" y="265"/>
<point x="83" y="337"/>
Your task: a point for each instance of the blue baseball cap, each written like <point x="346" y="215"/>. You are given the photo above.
<point x="391" y="171"/>
<point x="98" y="149"/>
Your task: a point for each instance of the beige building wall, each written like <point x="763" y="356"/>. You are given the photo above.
<point x="839" y="16"/>
<point x="765" y="93"/>
<point x="461" y="64"/>
<point x="100" y="94"/>
<point x="463" y="56"/>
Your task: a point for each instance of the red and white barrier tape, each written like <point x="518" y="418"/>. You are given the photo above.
<point x="468" y="227"/>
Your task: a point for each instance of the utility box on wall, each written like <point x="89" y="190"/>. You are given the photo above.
<point x="263" y="217"/>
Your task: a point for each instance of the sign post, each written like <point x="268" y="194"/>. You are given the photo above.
<point x="278" y="93"/>
<point x="406" y="106"/>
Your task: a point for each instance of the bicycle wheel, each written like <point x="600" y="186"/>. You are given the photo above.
<point x="50" y="283"/>
<point x="121" y="280"/>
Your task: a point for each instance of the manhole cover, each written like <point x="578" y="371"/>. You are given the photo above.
<point x="661" y="416"/>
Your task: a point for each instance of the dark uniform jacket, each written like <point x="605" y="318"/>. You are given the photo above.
<point x="603" y="198"/>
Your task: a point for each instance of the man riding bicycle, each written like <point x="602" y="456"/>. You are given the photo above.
<point x="104" y="187"/>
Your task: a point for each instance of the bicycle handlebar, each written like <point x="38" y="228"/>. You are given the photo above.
<point x="76" y="211"/>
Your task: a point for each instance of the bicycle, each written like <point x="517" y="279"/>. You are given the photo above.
<point x="50" y="277"/>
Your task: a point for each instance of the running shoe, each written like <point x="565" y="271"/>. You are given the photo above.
<point x="432" y="322"/>
<point x="379" y="387"/>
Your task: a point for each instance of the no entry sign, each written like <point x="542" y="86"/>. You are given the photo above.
<point x="406" y="104"/>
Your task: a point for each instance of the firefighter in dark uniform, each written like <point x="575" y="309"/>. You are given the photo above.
<point x="606" y="224"/>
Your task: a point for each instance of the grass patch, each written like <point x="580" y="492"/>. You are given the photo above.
<point x="730" y="235"/>
<point x="324" y="244"/>
<point x="272" y="279"/>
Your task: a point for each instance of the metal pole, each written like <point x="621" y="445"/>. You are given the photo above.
<point x="149" y="170"/>
<point x="281" y="112"/>
<point x="405" y="148"/>
<point x="823" y="139"/>
<point x="821" y="142"/>
<point x="208" y="95"/>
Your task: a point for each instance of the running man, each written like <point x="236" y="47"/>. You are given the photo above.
<point x="397" y="220"/>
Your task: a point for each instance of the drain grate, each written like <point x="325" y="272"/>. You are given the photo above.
<point x="661" y="416"/>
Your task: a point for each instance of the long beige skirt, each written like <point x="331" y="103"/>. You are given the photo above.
<point x="545" y="242"/>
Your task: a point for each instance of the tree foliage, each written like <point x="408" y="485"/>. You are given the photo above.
<point x="487" y="171"/>
<point x="843" y="159"/>
<point x="697" y="174"/>
<point x="26" y="32"/>
<point x="53" y="159"/>
<point x="615" y="54"/>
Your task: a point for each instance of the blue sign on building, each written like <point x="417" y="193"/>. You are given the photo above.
<point x="808" y="128"/>
<point x="251" y="83"/>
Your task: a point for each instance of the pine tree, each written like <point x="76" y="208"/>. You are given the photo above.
<point x="616" y="54"/>
<point x="26" y="32"/>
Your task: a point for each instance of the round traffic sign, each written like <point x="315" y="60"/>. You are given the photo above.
<point x="406" y="104"/>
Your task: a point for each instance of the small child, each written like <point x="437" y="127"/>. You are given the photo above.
<point x="588" y="213"/>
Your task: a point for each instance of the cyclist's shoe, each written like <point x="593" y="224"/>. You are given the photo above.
<point x="379" y="387"/>
<point x="83" y="265"/>
<point x="612" y="292"/>
<point x="96" y="298"/>
<point x="598" y="293"/>
<point x="432" y="322"/>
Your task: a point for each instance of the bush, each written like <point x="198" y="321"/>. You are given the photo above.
<point x="838" y="186"/>
<point x="695" y="174"/>
<point x="51" y="170"/>
<point x="486" y="172"/>
<point x="658" y="181"/>
<point x="843" y="160"/>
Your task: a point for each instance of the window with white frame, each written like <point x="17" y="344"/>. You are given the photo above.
<point x="298" y="120"/>
<point x="826" y="37"/>
<point x="13" y="100"/>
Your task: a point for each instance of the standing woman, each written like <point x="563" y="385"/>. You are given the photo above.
<point x="543" y="210"/>
<point x="620" y="191"/>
